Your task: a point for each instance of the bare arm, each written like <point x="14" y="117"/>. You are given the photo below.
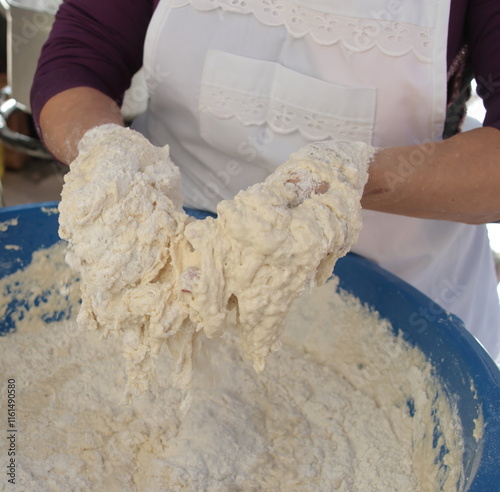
<point x="66" y="117"/>
<point x="457" y="179"/>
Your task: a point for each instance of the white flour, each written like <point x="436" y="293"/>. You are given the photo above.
<point x="329" y="412"/>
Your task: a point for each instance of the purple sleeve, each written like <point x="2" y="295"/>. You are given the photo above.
<point x="93" y="43"/>
<point x="483" y="35"/>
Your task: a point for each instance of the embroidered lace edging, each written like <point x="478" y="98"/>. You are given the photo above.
<point x="282" y="118"/>
<point x="356" y="34"/>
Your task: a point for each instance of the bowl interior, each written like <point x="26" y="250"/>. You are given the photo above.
<point x="468" y="375"/>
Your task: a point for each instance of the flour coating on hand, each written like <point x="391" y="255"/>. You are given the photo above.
<point x="158" y="276"/>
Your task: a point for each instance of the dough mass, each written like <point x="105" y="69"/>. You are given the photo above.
<point x="150" y="271"/>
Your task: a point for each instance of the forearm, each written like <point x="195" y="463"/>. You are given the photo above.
<point x="457" y="179"/>
<point x="66" y="117"/>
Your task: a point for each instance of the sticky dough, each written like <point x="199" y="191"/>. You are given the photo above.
<point x="156" y="275"/>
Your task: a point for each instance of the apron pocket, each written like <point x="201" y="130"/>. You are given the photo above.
<point x="244" y="99"/>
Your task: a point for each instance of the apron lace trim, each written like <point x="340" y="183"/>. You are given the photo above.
<point x="325" y="28"/>
<point x="282" y="118"/>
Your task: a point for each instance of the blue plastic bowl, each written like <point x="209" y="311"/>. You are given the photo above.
<point x="460" y="362"/>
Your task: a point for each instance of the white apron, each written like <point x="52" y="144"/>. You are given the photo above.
<point x="236" y="86"/>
